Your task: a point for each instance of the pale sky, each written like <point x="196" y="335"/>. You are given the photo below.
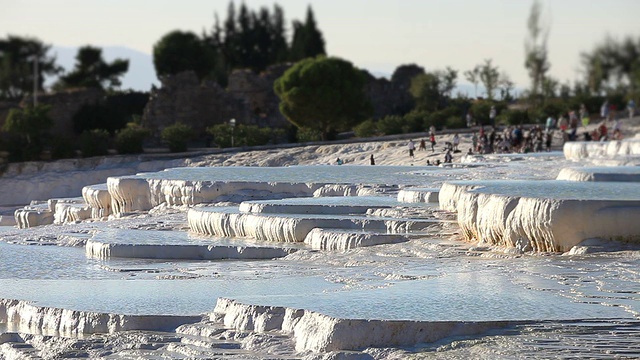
<point x="377" y="35"/>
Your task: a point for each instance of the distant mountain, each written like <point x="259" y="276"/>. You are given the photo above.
<point x="141" y="74"/>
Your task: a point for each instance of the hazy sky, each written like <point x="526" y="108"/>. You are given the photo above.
<point x="377" y="35"/>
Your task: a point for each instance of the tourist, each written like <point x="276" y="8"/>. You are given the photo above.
<point x="469" y="119"/>
<point x="448" y="158"/>
<point x="474" y="141"/>
<point x="412" y="148"/>
<point x="372" y="160"/>
<point x="423" y="145"/>
<point x="456" y="142"/>
<point x="602" y="130"/>
<point x="604" y="110"/>
<point x="631" y="108"/>
<point x="470" y="152"/>
<point x="584" y="115"/>
<point x="432" y="139"/>
<point x="339" y="161"/>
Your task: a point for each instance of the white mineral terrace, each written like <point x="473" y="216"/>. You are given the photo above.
<point x="175" y="245"/>
<point x="601" y="173"/>
<point x="294" y="228"/>
<point x="331" y="262"/>
<point x="543" y="215"/>
<point x="627" y="150"/>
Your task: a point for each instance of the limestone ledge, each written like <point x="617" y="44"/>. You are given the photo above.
<point x="623" y="174"/>
<point x="26" y="317"/>
<point x="316" y="332"/>
<point x="100" y="250"/>
<point x="418" y="195"/>
<point x="538" y="224"/>
<point x="140" y="194"/>
<point x="329" y="239"/>
<point x="577" y="150"/>
<point x="210" y="221"/>
<point x="99" y="199"/>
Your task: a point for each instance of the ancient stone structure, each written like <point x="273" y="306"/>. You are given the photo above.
<point x="250" y="99"/>
<point x="257" y="91"/>
<point x="184" y="98"/>
<point x="64" y="105"/>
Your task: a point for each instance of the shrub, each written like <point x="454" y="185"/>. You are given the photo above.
<point x="221" y="134"/>
<point x="391" y="124"/>
<point x="365" y="129"/>
<point x="455" y="122"/>
<point x="62" y="148"/>
<point x="513" y="117"/>
<point x="480" y="111"/>
<point x="176" y="136"/>
<point x="94" y="143"/>
<point x="307" y="135"/>
<point x="129" y="140"/>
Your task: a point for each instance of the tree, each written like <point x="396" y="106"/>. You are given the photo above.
<point x="506" y="87"/>
<point x="30" y="125"/>
<point x="92" y="71"/>
<point x="324" y="94"/>
<point x="17" y="56"/>
<point x="490" y="77"/>
<point x="614" y="64"/>
<point x="180" y="51"/>
<point x="473" y="76"/>
<point x="307" y="39"/>
<point x="536" y="51"/>
<point x="448" y="78"/>
<point x="426" y="90"/>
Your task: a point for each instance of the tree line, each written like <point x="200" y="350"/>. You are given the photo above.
<point x="320" y="96"/>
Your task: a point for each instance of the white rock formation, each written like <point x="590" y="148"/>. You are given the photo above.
<point x="34" y="215"/>
<point x="312" y="331"/>
<point x="101" y="250"/>
<point x="69" y="210"/>
<point x="23" y="316"/>
<point x="539" y="224"/>
<point x="331" y="239"/>
<point x="99" y="199"/>
<point x="66" y="178"/>
<point x="618" y="173"/>
<point x="576" y="150"/>
<point x="212" y="221"/>
<point x="283" y="208"/>
<point x="129" y="194"/>
<point x="418" y="195"/>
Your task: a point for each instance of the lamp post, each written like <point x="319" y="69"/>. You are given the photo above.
<point x="232" y="123"/>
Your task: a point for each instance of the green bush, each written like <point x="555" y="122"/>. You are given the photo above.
<point x="365" y="129"/>
<point x="513" y="117"/>
<point x="176" y="136"/>
<point x="130" y="139"/>
<point x="390" y="125"/>
<point x="455" y="122"/>
<point x="62" y="148"/>
<point x="245" y="135"/>
<point x="94" y="143"/>
<point x="480" y="111"/>
<point x="413" y="122"/>
<point x="307" y="135"/>
<point x="439" y="119"/>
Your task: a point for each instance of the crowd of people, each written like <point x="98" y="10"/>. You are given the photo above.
<point x="570" y="126"/>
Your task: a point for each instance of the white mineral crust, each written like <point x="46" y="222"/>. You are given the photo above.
<point x="63" y="322"/>
<point x="576" y="150"/>
<point x="328" y="239"/>
<point x="539" y="224"/>
<point x="100" y="250"/>
<point x="418" y="195"/>
<point x="312" y="331"/>
<point x="209" y="221"/>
